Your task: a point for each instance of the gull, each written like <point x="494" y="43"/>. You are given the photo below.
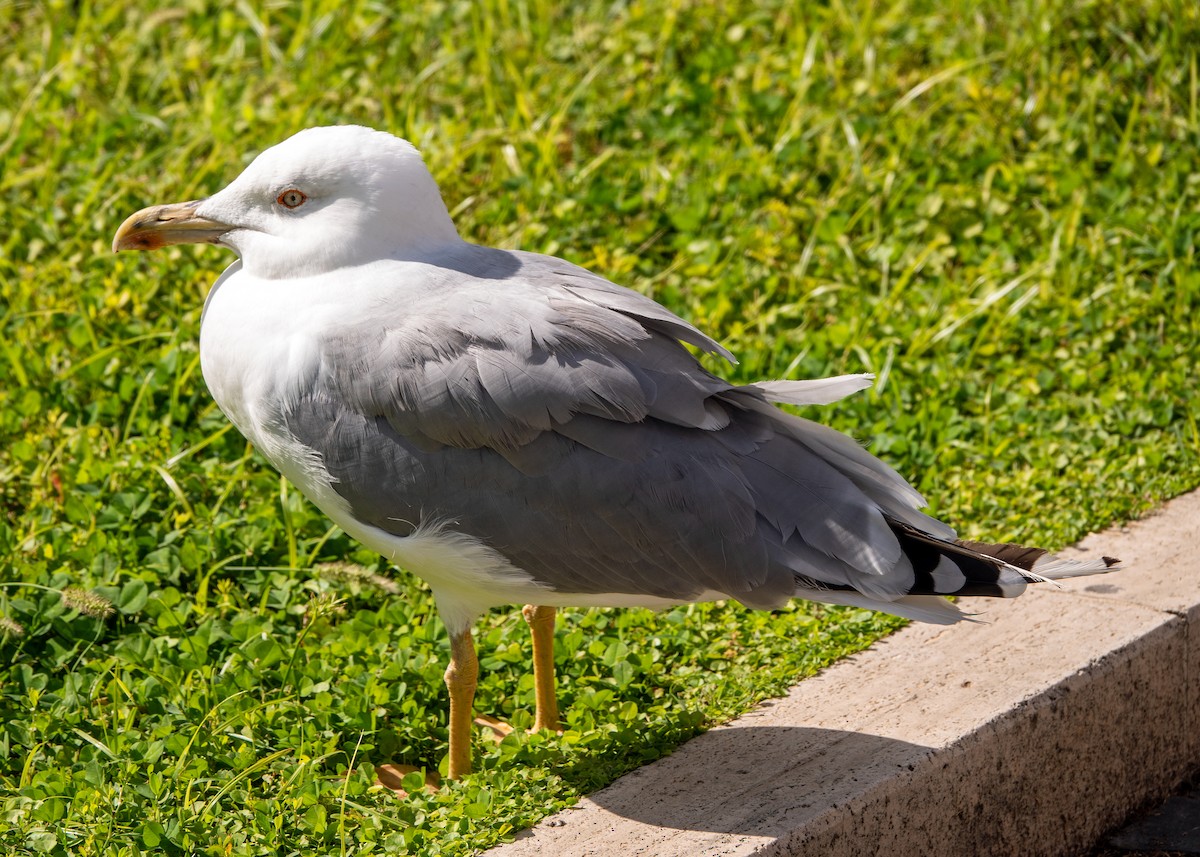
<point x="516" y="429"/>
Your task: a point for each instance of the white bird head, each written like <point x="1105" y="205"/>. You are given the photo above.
<point x="325" y="198"/>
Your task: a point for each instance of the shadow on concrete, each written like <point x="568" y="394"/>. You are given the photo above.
<point x="759" y="781"/>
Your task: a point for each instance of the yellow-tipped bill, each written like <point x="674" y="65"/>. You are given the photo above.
<point x="160" y="225"/>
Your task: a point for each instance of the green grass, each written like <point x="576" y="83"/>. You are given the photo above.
<point x="993" y="206"/>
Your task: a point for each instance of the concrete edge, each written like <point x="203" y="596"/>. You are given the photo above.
<point x="1034" y="733"/>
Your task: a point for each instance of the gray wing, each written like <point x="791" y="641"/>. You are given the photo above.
<point x="558" y="418"/>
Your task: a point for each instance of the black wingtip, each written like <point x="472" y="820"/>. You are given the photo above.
<point x="1110" y="561"/>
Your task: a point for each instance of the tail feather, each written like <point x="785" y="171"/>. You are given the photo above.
<point x="952" y="567"/>
<point x="944" y="567"/>
<point x="1042" y="563"/>
<point x="979" y="568"/>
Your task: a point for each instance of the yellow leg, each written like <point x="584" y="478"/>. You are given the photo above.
<point x="541" y="626"/>
<point x="461" y="677"/>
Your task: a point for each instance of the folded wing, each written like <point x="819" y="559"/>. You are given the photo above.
<point x="558" y="418"/>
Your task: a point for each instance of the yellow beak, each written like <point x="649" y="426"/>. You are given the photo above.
<point x="160" y="225"/>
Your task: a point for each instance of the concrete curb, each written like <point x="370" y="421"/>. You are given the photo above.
<point x="1032" y="734"/>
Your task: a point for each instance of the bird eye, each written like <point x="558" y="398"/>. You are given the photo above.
<point x="291" y="198"/>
